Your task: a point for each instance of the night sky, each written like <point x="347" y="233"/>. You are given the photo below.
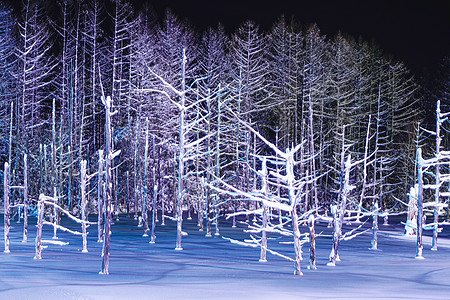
<point x="416" y="32"/>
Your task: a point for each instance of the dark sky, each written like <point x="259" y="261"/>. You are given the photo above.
<point x="416" y="32"/>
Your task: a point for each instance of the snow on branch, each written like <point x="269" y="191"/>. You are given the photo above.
<point x="62" y="228"/>
<point x="233" y="241"/>
<point x="349" y="235"/>
<point x="42" y="196"/>
<point x="53" y="242"/>
<point x="236" y="191"/>
<point x="244" y="213"/>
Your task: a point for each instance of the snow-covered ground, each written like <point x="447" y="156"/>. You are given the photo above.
<point x="213" y="268"/>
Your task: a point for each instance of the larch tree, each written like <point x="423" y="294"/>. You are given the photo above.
<point x="215" y="67"/>
<point x="171" y="38"/>
<point x="249" y="71"/>
<point x="286" y="48"/>
<point x="294" y="189"/>
<point x="189" y="119"/>
<point x="93" y="47"/>
<point x="315" y="126"/>
<point x="36" y="67"/>
<point x="7" y="81"/>
<point x="123" y="20"/>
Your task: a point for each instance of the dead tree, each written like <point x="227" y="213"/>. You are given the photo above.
<point x="7" y="213"/>
<point x="52" y="201"/>
<point x="186" y="127"/>
<point x="7" y="205"/>
<point x="312" y="243"/>
<point x="423" y="166"/>
<point x="295" y="190"/>
<point x="411" y="219"/>
<point x="83" y="183"/>
<point x="338" y="211"/>
<point x="375" y="227"/>
<point x="108" y="187"/>
<point x="100" y="197"/>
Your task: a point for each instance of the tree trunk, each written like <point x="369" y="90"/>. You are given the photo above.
<point x="108" y="190"/>
<point x="375" y="227"/>
<point x="155" y="195"/>
<point x="411" y="217"/>
<point x="40" y="224"/>
<point x="100" y="197"/>
<point x="264" y="187"/>
<point x="208" y="166"/>
<point x="7" y="209"/>
<point x="419" y="246"/>
<point x="312" y="245"/>
<point x="83" y="204"/>
<point x="179" y="203"/>
<point x="144" y="203"/>
<point x="297" y="243"/>
<point x="25" y="199"/>
<point x="136" y="165"/>
<point x="439" y="120"/>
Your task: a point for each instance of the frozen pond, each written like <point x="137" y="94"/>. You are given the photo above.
<point x="213" y="268"/>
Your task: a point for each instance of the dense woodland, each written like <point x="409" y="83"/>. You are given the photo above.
<point x="206" y="122"/>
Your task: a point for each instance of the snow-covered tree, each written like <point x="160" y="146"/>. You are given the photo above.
<point x="7" y="71"/>
<point x="109" y="156"/>
<point x="434" y="168"/>
<point x="34" y="76"/>
<point x="189" y="120"/>
<point x="315" y="129"/>
<point x="294" y="190"/>
<point x="285" y="52"/>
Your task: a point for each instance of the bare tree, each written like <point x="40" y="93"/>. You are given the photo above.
<point x="107" y="102"/>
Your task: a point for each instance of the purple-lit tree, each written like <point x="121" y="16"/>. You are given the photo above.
<point x="109" y="156"/>
<point x="7" y="82"/>
<point x="34" y="76"/>
<point x="189" y="119"/>
<point x="315" y="126"/>
<point x="285" y="53"/>
<point x="293" y="193"/>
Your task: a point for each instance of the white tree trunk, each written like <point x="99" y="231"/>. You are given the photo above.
<point x="375" y="227"/>
<point x="297" y="243"/>
<point x="7" y="208"/>
<point x="155" y="195"/>
<point x="108" y="190"/>
<point x="83" y="204"/>
<point x="100" y="197"/>
<point x="439" y="121"/>
<point x="263" y="173"/>
<point x="25" y="199"/>
<point x="419" y="245"/>
<point x="144" y="203"/>
<point x="40" y="224"/>
<point x="312" y="243"/>
<point x="179" y="209"/>
<point x="411" y="219"/>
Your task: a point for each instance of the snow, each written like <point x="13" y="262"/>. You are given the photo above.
<point x="215" y="268"/>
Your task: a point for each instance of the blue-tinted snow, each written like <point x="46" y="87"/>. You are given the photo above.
<point x="213" y="268"/>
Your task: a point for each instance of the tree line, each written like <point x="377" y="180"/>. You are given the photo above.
<point x="189" y="106"/>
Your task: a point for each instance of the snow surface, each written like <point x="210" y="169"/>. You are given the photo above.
<point x="214" y="268"/>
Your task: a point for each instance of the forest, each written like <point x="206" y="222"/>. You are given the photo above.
<point x="107" y="110"/>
